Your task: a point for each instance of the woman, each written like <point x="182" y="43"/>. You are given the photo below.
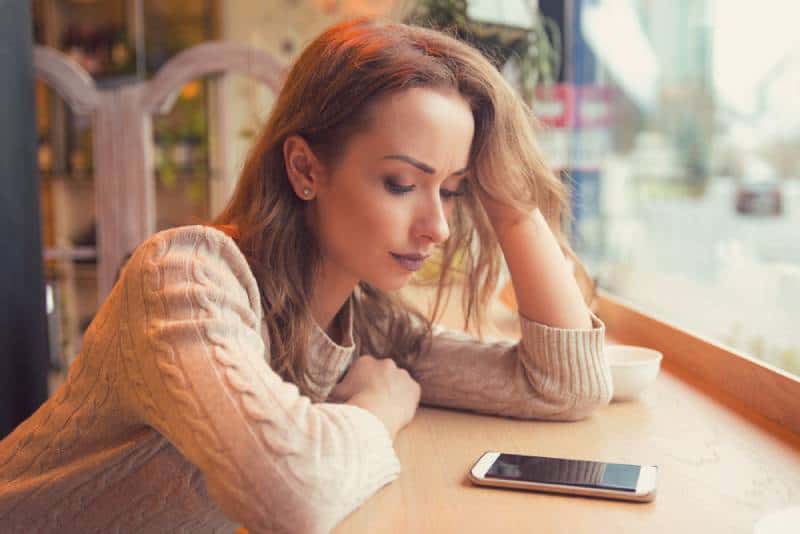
<point x="257" y="371"/>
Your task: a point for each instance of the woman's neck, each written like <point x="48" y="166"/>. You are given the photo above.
<point x="328" y="322"/>
<point x="330" y="293"/>
<point x="332" y="287"/>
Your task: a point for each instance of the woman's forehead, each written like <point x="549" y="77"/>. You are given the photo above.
<point x="429" y="126"/>
<point x="423" y="105"/>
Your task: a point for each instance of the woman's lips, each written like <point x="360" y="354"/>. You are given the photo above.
<point x="411" y="262"/>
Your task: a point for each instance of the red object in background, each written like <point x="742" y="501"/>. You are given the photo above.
<point x="759" y="198"/>
<point x="595" y="107"/>
<point x="565" y="105"/>
<point x="554" y="104"/>
<point x="578" y="121"/>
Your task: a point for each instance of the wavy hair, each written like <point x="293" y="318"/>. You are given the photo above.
<point x="325" y="99"/>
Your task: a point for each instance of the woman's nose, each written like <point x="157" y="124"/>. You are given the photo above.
<point x="433" y="223"/>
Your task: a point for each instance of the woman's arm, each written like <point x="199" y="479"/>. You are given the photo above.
<point x="544" y="285"/>
<point x="198" y="374"/>
<point x="557" y="374"/>
<point x="556" y="371"/>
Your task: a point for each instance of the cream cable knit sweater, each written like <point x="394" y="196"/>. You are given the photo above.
<point x="171" y="419"/>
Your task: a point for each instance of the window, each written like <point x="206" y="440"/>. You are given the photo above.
<point x="685" y="158"/>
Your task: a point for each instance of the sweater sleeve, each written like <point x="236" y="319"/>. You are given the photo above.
<point x="550" y="373"/>
<point x="272" y="460"/>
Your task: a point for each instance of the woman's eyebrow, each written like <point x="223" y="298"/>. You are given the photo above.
<point x="418" y="164"/>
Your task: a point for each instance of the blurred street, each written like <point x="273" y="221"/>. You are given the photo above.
<point x="698" y="263"/>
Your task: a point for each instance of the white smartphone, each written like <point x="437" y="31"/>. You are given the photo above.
<point x="562" y="475"/>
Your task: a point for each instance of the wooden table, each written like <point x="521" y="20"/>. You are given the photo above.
<point x="718" y="473"/>
<point x="719" y="470"/>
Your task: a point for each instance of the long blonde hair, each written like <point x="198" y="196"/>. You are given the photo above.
<point x="325" y="99"/>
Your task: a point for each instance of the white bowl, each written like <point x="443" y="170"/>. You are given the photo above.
<point x="632" y="369"/>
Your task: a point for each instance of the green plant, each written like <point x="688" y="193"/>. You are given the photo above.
<point x="541" y="58"/>
<point x="537" y="50"/>
<point x="441" y="14"/>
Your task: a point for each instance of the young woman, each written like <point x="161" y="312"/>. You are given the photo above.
<point x="257" y="371"/>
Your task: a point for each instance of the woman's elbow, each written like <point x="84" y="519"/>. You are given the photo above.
<point x="581" y="405"/>
<point x="305" y="508"/>
<point x="569" y="405"/>
<point x="294" y="514"/>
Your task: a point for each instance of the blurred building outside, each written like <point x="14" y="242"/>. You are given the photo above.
<point x="712" y="98"/>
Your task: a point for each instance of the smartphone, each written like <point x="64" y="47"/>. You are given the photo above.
<point x="562" y="475"/>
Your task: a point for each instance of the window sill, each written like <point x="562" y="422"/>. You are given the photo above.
<point x="764" y="394"/>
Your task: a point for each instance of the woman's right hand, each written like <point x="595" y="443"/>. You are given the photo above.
<point x="379" y="386"/>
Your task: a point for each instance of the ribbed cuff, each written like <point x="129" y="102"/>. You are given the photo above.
<point x="571" y="360"/>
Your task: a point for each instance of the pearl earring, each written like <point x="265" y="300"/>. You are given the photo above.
<point x="307" y="192"/>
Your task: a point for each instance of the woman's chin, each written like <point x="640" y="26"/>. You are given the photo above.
<point x="390" y="283"/>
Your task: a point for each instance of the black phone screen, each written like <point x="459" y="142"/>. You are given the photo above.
<point x="583" y="473"/>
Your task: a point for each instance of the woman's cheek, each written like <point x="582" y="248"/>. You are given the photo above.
<point x="392" y="220"/>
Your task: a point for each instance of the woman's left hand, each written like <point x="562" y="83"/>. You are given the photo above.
<point x="502" y="216"/>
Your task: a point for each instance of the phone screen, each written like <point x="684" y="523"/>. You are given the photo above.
<point x="583" y="473"/>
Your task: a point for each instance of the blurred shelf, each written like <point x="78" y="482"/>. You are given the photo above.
<point x="189" y="173"/>
<point x="73" y="177"/>
<point x="74" y="253"/>
<point x="112" y="81"/>
<point x="117" y="42"/>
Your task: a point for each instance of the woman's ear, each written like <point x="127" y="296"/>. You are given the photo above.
<point x="302" y="167"/>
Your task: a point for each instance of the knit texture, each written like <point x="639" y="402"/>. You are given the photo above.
<point x="171" y="419"/>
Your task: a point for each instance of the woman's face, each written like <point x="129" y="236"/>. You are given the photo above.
<point x="392" y="191"/>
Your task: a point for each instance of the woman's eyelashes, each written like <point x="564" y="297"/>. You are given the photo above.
<point x="396" y="189"/>
<point x="447" y="194"/>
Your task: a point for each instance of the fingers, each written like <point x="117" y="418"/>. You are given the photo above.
<point x="344" y="389"/>
<point x="339" y="393"/>
<point x="368" y="372"/>
<point x="350" y="384"/>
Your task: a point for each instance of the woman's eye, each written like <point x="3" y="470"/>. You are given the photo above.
<point x="447" y="194"/>
<point x="395" y="188"/>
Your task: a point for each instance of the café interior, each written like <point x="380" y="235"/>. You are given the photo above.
<point x="126" y="118"/>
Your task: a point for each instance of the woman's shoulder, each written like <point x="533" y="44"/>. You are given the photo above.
<point x="192" y="233"/>
<point x="202" y="239"/>
<point x="203" y="248"/>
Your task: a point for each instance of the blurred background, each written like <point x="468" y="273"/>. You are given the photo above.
<point x="675" y="122"/>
